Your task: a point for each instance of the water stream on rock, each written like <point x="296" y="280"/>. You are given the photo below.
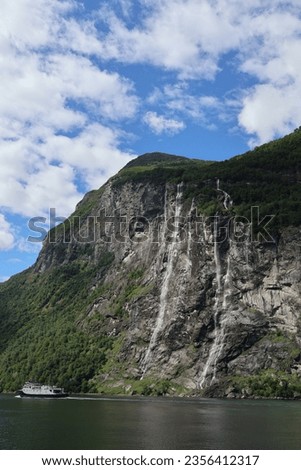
<point x="189" y="240"/>
<point x="222" y="293"/>
<point x="171" y="253"/>
<point x="212" y="357"/>
<point x="227" y="202"/>
<point x="220" y="334"/>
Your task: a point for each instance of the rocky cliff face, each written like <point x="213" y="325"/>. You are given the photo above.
<point x="197" y="303"/>
<point x="165" y="281"/>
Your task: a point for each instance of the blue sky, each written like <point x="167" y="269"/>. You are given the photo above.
<point x="88" y="85"/>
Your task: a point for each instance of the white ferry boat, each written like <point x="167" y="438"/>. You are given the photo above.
<point x="35" y="389"/>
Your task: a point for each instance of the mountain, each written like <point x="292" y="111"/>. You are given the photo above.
<point x="172" y="278"/>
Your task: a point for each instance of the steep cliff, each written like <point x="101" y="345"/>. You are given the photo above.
<point x="168" y="279"/>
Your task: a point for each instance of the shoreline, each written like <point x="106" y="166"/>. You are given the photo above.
<point x="136" y="397"/>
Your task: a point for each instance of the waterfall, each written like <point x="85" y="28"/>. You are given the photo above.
<point x="163" y="231"/>
<point x="217" y="301"/>
<point x="189" y="238"/>
<point x="247" y="248"/>
<point x="220" y="333"/>
<point x="227" y="202"/>
<point x="222" y="293"/>
<point x="171" y="252"/>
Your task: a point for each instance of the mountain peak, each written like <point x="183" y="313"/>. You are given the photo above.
<point x="155" y="158"/>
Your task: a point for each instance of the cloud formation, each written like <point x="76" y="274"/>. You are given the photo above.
<point x="7" y="238"/>
<point x="193" y="38"/>
<point x="179" y="101"/>
<point x="59" y="112"/>
<point x="160" y="124"/>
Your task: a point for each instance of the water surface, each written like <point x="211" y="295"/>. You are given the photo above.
<point x="150" y="423"/>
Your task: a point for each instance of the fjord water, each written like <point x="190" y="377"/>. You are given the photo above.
<point x="150" y="423"/>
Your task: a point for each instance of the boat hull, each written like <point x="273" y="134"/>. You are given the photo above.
<point x="41" y="395"/>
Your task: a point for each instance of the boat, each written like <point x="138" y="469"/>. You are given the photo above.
<point x="37" y="390"/>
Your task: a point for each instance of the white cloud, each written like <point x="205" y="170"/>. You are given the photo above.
<point x="7" y="238"/>
<point x="23" y="245"/>
<point x="178" y="99"/>
<point x="191" y="38"/>
<point x="180" y="35"/>
<point x="50" y="94"/>
<point x="271" y="108"/>
<point x="270" y="111"/>
<point x="46" y="23"/>
<point x="36" y="175"/>
<point x="94" y="152"/>
<point x="160" y="124"/>
<point x="107" y="94"/>
<point x="193" y="105"/>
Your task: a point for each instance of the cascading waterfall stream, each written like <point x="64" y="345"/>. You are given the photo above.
<point x="189" y="238"/>
<point x="222" y="294"/>
<point x="217" y="302"/>
<point x="184" y="276"/>
<point x="220" y="335"/>
<point x="171" y="251"/>
<point x="247" y="248"/>
<point x="162" y="234"/>
<point x="227" y="202"/>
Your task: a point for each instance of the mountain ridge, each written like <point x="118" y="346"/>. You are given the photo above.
<point x="155" y="158"/>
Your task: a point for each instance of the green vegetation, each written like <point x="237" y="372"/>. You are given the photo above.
<point x="146" y="387"/>
<point x="268" y="177"/>
<point x="155" y="158"/>
<point x="40" y="335"/>
<point x="269" y="384"/>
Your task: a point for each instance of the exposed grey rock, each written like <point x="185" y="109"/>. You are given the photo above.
<point x="206" y="307"/>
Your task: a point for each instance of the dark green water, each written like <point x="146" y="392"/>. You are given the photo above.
<point x="148" y="424"/>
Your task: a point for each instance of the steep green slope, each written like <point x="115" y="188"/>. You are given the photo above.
<point x="268" y="177"/>
<point x="40" y="337"/>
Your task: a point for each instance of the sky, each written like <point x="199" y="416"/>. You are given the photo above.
<point x="88" y="85"/>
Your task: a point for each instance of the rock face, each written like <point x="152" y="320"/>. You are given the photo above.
<point x="198" y="302"/>
<point x="158" y="283"/>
